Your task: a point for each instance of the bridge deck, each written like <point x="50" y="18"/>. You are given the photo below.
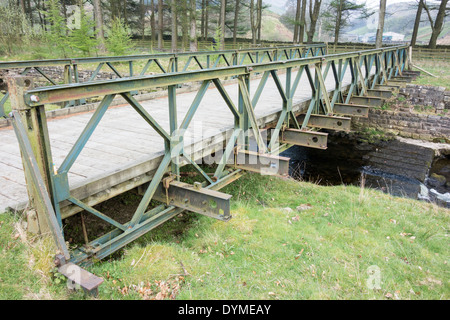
<point x="124" y="146"/>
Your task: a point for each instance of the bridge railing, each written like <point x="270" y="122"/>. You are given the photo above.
<point x="127" y="66"/>
<point x="328" y="108"/>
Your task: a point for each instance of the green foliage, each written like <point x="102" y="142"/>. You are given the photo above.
<point x="218" y="39"/>
<point x="83" y="38"/>
<point x="119" y="38"/>
<point x="15" y="30"/>
<point x="57" y="34"/>
<point x="348" y="9"/>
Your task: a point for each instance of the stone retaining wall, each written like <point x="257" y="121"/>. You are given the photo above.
<point x="406" y="123"/>
<point x="419" y="95"/>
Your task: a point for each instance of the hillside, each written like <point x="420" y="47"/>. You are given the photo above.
<point x="400" y="19"/>
<point x="273" y="29"/>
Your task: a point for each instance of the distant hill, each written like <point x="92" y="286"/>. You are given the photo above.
<point x="276" y="6"/>
<point x="400" y="18"/>
<point x="272" y="28"/>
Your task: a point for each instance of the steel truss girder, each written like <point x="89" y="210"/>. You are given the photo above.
<point x="266" y="162"/>
<point x="71" y="65"/>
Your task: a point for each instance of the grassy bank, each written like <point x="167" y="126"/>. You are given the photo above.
<point x="336" y="245"/>
<point x="441" y="69"/>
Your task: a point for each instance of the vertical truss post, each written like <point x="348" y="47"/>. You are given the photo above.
<point x="40" y="196"/>
<point x="244" y="93"/>
<point x="37" y="133"/>
<point x="174" y="135"/>
<point x="68" y="80"/>
<point x="321" y="82"/>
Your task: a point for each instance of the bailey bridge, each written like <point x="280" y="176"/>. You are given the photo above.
<point x="242" y="108"/>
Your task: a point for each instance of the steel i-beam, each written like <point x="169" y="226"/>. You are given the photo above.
<point x="194" y="198"/>
<point x="312" y="139"/>
<point x="329" y="122"/>
<point x="352" y="110"/>
<point x="392" y="88"/>
<point x="367" y="101"/>
<point x="385" y="94"/>
<point x="265" y="164"/>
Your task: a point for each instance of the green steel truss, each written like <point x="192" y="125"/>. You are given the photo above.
<point x="49" y="186"/>
<point x="164" y="62"/>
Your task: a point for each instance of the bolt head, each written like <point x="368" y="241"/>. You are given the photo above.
<point x="34" y="98"/>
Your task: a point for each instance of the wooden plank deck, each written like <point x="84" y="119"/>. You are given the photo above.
<point x="125" y="147"/>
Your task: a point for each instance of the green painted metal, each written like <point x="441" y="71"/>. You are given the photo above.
<point x="351" y="110"/>
<point x="175" y="63"/>
<point x="38" y="182"/>
<point x="321" y="113"/>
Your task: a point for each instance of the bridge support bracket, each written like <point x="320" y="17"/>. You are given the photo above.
<point x="385" y="94"/>
<point x="393" y="88"/>
<point x="367" y="101"/>
<point x="353" y="110"/>
<point x="78" y="277"/>
<point x="311" y="139"/>
<point x="329" y="122"/>
<point x="193" y="198"/>
<point x="264" y="164"/>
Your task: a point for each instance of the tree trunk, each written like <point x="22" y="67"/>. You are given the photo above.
<point x="160" y="24"/>
<point x="297" y="21"/>
<point x="184" y="24"/>
<point x="313" y="15"/>
<point x="99" y="23"/>
<point x="193" y="25"/>
<point x="152" y="21"/>
<point x="259" y="19"/>
<point x="337" y="27"/>
<point x="22" y="5"/>
<point x="236" y="17"/>
<point x="125" y="12"/>
<point x="223" y="6"/>
<point x="253" y="25"/>
<point x="416" y="24"/>
<point x="379" y="38"/>
<point x="206" y="20"/>
<point x="202" y="21"/>
<point x="438" y="24"/>
<point x="143" y="8"/>
<point x="30" y="13"/>
<point x="173" y="8"/>
<point x="301" y="30"/>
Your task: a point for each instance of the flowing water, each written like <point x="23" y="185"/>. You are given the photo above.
<point x="395" y="167"/>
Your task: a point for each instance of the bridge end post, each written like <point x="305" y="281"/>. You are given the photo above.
<point x="35" y="125"/>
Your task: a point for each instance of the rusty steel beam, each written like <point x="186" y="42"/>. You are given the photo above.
<point x="311" y="139"/>
<point x="385" y="94"/>
<point x="265" y="164"/>
<point x="329" y="122"/>
<point x="194" y="198"/>
<point x="352" y="110"/>
<point x="367" y="101"/>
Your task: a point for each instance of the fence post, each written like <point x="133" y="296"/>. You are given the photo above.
<point x="35" y="124"/>
<point x="410" y="58"/>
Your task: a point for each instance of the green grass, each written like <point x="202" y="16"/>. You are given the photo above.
<point x="441" y="69"/>
<point x="265" y="251"/>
